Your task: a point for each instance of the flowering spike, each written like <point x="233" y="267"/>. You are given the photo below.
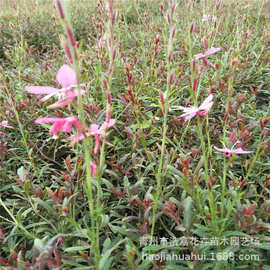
<point x="172" y="77"/>
<point x="162" y="99"/>
<point x="60" y="9"/>
<point x="108" y="114"/>
<point x="193" y="65"/>
<point x="70" y="36"/>
<point x="195" y="84"/>
<point x="67" y="50"/>
<point x="191" y="28"/>
<point x="109" y="98"/>
<point x="205" y="44"/>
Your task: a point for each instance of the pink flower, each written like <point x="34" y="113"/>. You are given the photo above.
<point x="4" y="123"/>
<point x="212" y="50"/>
<point x="191" y="112"/>
<point x="66" y="125"/>
<point x="106" y="125"/>
<point x="96" y="131"/>
<point x="66" y="77"/>
<point x="59" y="124"/>
<point x="229" y="152"/>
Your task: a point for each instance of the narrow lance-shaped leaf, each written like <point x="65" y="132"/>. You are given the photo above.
<point x="188" y="207"/>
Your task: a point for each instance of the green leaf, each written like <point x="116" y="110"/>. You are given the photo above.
<point x="175" y="171"/>
<point x="26" y="187"/>
<point x="176" y="267"/>
<point x="81" y="248"/>
<point x="145" y="265"/>
<point x="107" y="244"/>
<point x="20" y="261"/>
<point x="105" y="220"/>
<point x="37" y="248"/>
<point x="265" y="246"/>
<point x="44" y="204"/>
<point x="236" y="233"/>
<point x="103" y="263"/>
<point x="22" y="173"/>
<point x="188" y="205"/>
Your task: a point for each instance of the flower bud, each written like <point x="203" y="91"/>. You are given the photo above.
<point x="93" y="167"/>
<point x="191" y="28"/>
<point x="70" y="36"/>
<point x="60" y="9"/>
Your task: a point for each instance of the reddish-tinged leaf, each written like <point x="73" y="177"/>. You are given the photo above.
<point x="248" y="212"/>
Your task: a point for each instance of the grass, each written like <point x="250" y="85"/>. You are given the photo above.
<point x="150" y="191"/>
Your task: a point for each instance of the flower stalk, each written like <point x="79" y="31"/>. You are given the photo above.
<point x="165" y="107"/>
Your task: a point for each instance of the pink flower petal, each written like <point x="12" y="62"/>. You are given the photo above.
<point x="56" y="127"/>
<point x="212" y="50"/>
<point x="94" y="128"/>
<point x="66" y="76"/>
<point x="191" y="112"/>
<point x="61" y="103"/>
<point x="240" y="151"/>
<point x="67" y="125"/>
<point x="207" y="101"/>
<point x="4" y="123"/>
<point x="74" y="93"/>
<point x="41" y="90"/>
<point x="224" y="150"/>
<point x="232" y="151"/>
<point x="106" y="125"/>
<point x="111" y="122"/>
<point x="207" y="104"/>
<point x="189" y="116"/>
<point x="47" y="120"/>
<point x="199" y="56"/>
<point x="75" y="122"/>
<point x="79" y="137"/>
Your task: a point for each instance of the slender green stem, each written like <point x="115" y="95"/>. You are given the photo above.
<point x="159" y="172"/>
<point x="254" y="160"/>
<point x="159" y="175"/>
<point x="208" y="181"/>
<point x="20" y="127"/>
<point x="86" y="146"/>
<point x="87" y="157"/>
<point x="16" y="222"/>
<point x="223" y="183"/>
<point x="200" y="133"/>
